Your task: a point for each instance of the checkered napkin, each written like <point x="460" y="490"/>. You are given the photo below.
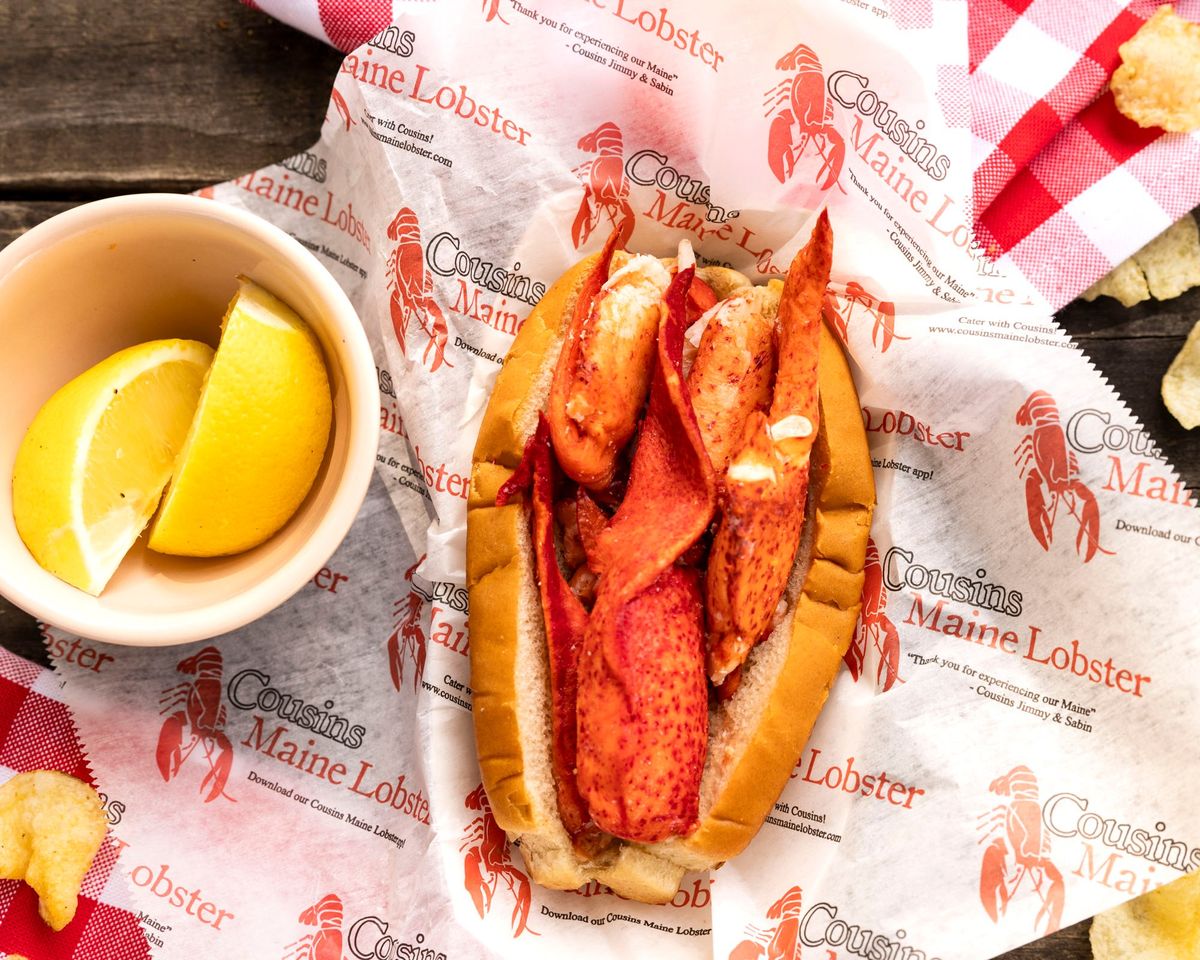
<point x="36" y="733"/>
<point x="1065" y="184"/>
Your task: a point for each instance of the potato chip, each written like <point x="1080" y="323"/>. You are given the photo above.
<point x="1181" y="382"/>
<point x="1171" y="261"/>
<point x="1125" y="282"/>
<point x="1164" y="268"/>
<point x="51" y="826"/>
<point x="1158" y="81"/>
<point x="1162" y="925"/>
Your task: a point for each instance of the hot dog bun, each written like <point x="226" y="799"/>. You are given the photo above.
<point x="756" y="738"/>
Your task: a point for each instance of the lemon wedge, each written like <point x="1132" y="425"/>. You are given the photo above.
<point x="93" y="464"/>
<point x="258" y="437"/>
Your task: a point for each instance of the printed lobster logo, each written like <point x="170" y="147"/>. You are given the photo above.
<point x="1018" y="852"/>
<point x="487" y="865"/>
<point x="339" y="104"/>
<point x="194" y="707"/>
<point x="491" y="11"/>
<point x="876" y="634"/>
<point x="839" y="309"/>
<point x="411" y="288"/>
<point x="407" y="639"/>
<point x="803" y="117"/>
<point x="1043" y="459"/>
<point x="324" y="943"/>
<point x="780" y="941"/>
<point x="605" y="187"/>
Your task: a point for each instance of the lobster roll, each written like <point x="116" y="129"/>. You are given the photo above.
<point x="671" y="495"/>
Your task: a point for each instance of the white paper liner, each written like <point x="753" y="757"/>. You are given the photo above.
<point x="983" y="792"/>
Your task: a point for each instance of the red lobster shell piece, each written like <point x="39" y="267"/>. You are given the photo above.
<point x="604" y="369"/>
<point x="766" y="484"/>
<point x="643" y="702"/>
<point x="565" y="620"/>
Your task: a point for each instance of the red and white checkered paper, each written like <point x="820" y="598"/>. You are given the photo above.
<point x="1065" y="186"/>
<point x="37" y="733"/>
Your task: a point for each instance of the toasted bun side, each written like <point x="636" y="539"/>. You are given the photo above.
<point x="756" y="741"/>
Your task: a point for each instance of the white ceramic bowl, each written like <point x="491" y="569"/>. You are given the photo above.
<point x="110" y="274"/>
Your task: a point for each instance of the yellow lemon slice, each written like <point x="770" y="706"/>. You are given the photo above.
<point x="93" y="464"/>
<point x="258" y="437"/>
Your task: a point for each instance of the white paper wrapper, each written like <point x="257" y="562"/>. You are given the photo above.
<point x="1006" y="755"/>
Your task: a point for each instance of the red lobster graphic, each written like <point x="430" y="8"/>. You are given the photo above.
<point x="605" y="188"/>
<point x="339" y="104"/>
<point x="326" y="942"/>
<point x="407" y="639"/>
<point x="875" y="629"/>
<point x="1044" y="460"/>
<point x="195" y="706"/>
<point x="412" y="291"/>
<point x="487" y="864"/>
<point x="882" y="311"/>
<point x="778" y="942"/>
<point x="1018" y="851"/>
<point x="491" y="11"/>
<point x="803" y="116"/>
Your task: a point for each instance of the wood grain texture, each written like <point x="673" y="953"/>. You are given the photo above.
<point x="105" y="98"/>
<point x="134" y="95"/>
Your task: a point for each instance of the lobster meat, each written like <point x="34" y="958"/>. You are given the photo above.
<point x="766" y="483"/>
<point x="1043" y="459"/>
<point x="602" y="376"/>
<point x="803" y="116"/>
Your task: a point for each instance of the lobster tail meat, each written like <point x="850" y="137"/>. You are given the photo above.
<point x="604" y="370"/>
<point x="766" y="484"/>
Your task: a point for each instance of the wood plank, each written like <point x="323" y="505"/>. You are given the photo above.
<point x="151" y="95"/>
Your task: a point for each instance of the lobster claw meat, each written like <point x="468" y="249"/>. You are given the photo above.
<point x="731" y="375"/>
<point x="604" y="370"/>
<point x="766" y="483"/>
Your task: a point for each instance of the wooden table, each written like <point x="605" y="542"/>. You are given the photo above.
<point x="133" y="95"/>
